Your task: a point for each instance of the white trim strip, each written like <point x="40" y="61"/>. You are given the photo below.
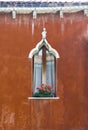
<point x="44" y="98"/>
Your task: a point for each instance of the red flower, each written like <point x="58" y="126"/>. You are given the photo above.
<point x="49" y="87"/>
<point x="43" y="85"/>
<point x="52" y="90"/>
<point x="42" y="89"/>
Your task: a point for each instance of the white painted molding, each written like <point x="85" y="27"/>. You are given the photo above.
<point x="43" y="98"/>
<point x="14" y="14"/>
<point x="28" y="10"/>
<point x="45" y="43"/>
<point x="61" y="14"/>
<point x="34" y="14"/>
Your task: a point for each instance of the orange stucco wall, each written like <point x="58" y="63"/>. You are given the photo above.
<point x="69" y="36"/>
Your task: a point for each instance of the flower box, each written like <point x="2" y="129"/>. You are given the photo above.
<point x="44" y="91"/>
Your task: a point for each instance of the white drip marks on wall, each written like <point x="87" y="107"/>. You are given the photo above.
<point x="62" y="27"/>
<point x="19" y="21"/>
<point x="33" y="26"/>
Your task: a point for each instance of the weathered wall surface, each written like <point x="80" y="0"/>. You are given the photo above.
<point x="70" y="37"/>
